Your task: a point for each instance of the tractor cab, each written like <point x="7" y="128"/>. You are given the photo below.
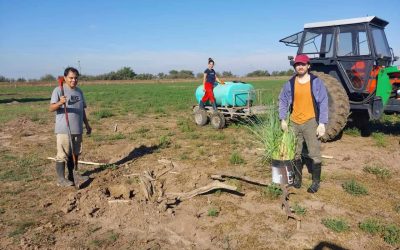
<point x="356" y="47"/>
<point x="353" y="58"/>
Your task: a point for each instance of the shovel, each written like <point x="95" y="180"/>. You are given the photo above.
<point x="79" y="180"/>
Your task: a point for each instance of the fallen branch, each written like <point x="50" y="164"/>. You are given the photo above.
<point x="128" y="175"/>
<point x="222" y="177"/>
<point x="327" y="156"/>
<point x="202" y="190"/>
<point x="82" y="162"/>
<point x="119" y="201"/>
<point x="147" y="187"/>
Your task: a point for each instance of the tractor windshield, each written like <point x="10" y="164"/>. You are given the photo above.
<point x="352" y="41"/>
<point x="380" y="42"/>
<point x="318" y="42"/>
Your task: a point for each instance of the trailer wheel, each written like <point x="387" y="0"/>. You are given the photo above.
<point x="339" y="106"/>
<point x="200" y="117"/>
<point x="217" y="121"/>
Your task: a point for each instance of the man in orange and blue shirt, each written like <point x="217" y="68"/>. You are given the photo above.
<point x="305" y="97"/>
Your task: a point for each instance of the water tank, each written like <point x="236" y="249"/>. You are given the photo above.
<point x="230" y="94"/>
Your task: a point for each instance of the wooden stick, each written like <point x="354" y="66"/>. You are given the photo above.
<point x="83" y="162"/>
<point x="241" y="178"/>
<point x="327" y="156"/>
<point x="212" y="186"/>
<point x="119" y="201"/>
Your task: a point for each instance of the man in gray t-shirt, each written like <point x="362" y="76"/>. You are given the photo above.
<point x="75" y="102"/>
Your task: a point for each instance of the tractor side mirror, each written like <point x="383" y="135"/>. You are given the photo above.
<point x="380" y="60"/>
<point x="395" y="58"/>
<point x="291" y="59"/>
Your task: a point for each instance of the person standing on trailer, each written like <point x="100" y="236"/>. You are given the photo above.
<point x="75" y="103"/>
<point x="210" y="77"/>
<point x="306" y="99"/>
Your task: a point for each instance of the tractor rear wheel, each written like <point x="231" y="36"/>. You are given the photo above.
<point x="338" y="103"/>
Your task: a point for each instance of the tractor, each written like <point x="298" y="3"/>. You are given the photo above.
<point x="353" y="58"/>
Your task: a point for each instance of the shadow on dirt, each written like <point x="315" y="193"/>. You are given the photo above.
<point x="328" y="245"/>
<point x="385" y="127"/>
<point x="134" y="154"/>
<point x="23" y="100"/>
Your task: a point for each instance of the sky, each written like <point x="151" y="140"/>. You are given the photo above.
<point x="41" y="37"/>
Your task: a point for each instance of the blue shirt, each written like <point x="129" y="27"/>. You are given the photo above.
<point x="210" y="75"/>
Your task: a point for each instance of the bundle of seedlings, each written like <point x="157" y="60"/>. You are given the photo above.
<point x="279" y="146"/>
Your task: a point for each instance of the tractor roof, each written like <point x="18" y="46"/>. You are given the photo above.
<point x="369" y="19"/>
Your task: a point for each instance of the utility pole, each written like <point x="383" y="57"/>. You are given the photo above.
<point x="79" y="67"/>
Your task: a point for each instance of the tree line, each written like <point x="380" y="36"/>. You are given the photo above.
<point x="127" y="73"/>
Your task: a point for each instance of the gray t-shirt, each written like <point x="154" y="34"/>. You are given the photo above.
<point x="75" y="106"/>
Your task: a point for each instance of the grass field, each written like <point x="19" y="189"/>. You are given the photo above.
<point x="114" y="100"/>
<point x="357" y="207"/>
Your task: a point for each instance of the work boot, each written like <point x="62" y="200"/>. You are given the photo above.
<point x="316" y="178"/>
<point x="70" y="166"/>
<point x="298" y="173"/>
<point x="201" y="105"/>
<point x="60" y="169"/>
<point x="308" y="162"/>
<point x="214" y="106"/>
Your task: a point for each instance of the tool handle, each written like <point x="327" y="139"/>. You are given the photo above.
<point x="60" y="84"/>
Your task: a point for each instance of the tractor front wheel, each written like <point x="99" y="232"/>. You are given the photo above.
<point x="339" y="106"/>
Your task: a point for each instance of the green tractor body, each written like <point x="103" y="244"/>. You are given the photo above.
<point x="353" y="58"/>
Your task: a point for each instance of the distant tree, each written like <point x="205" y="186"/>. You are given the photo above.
<point x="258" y="73"/>
<point x="47" y="78"/>
<point x="186" y="74"/>
<point x="290" y="72"/>
<point x="3" y="79"/>
<point x="200" y="75"/>
<point x="161" y="75"/>
<point x="227" y="74"/>
<point x="125" y="73"/>
<point x="282" y="73"/>
<point x="275" y="73"/>
<point x="144" y="76"/>
<point x="183" y="74"/>
<point x="21" y="79"/>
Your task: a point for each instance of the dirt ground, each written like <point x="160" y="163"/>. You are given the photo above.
<point x="112" y="212"/>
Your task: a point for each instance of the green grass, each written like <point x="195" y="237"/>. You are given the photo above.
<point x="391" y="234"/>
<point x="236" y="158"/>
<point x="213" y="212"/>
<point x="109" y="100"/>
<point x="272" y="191"/>
<point x="298" y="209"/>
<point x="142" y="130"/>
<point x="378" y="171"/>
<point x="336" y="225"/>
<point x="185" y="125"/>
<point x="379" y="139"/>
<point x="104" y="113"/>
<point x="21" y="228"/>
<point x="371" y="226"/>
<point x="164" y="141"/>
<point x="352" y="132"/>
<point x="354" y="188"/>
<point x="25" y="168"/>
<point x="117" y="136"/>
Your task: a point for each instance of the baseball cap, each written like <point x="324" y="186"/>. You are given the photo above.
<point x="301" y="59"/>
